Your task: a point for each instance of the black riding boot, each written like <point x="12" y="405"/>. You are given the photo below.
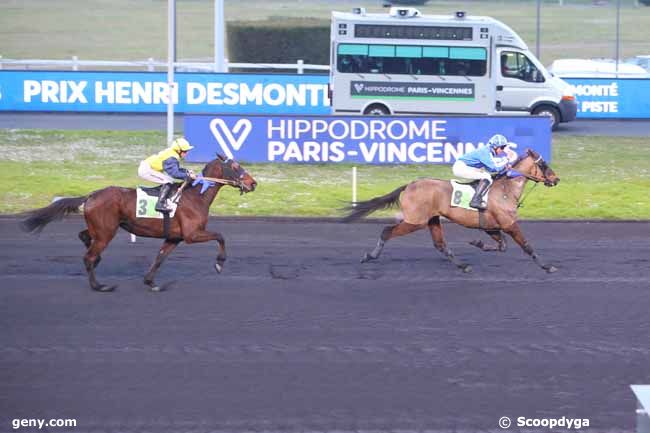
<point x="161" y="206"/>
<point x="481" y="189"/>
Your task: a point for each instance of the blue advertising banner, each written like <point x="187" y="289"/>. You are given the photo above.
<point x="148" y="92"/>
<point x="357" y="139"/>
<point x="602" y="98"/>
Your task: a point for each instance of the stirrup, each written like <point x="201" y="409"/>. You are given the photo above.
<point x="480" y="205"/>
<point x="162" y="208"/>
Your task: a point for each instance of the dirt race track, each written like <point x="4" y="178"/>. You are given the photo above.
<point x="297" y="335"/>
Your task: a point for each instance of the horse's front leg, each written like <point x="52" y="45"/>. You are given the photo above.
<point x="205" y="236"/>
<point x="497" y="236"/>
<point x="515" y="232"/>
<point x="167" y="247"/>
<point x="441" y="245"/>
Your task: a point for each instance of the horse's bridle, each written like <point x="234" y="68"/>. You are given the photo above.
<point x="541" y="164"/>
<point x="232" y="176"/>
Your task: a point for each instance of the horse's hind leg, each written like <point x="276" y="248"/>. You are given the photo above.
<point x="389" y="232"/>
<point x="91" y="259"/>
<point x="101" y="233"/>
<point x="515" y="232"/>
<point x="165" y="250"/>
<point x="439" y="242"/>
<point x="497" y="236"/>
<point x="84" y="235"/>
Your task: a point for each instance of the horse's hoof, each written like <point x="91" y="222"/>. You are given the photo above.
<point x="218" y="267"/>
<point x="477" y="244"/>
<point x="104" y="288"/>
<point x="467" y="269"/>
<point x="366" y="258"/>
<point x="155" y="289"/>
<point x="550" y="269"/>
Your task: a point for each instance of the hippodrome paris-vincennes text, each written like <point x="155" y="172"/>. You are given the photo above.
<point x="326" y="140"/>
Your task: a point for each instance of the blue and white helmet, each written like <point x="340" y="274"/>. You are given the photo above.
<point x="497" y="141"/>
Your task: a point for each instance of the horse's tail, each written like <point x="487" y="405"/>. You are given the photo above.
<point x="37" y="219"/>
<point x="363" y="208"/>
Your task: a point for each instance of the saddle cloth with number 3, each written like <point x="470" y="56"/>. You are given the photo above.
<point x="145" y="206"/>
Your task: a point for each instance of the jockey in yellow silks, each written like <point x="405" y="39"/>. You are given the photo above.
<point x="164" y="167"/>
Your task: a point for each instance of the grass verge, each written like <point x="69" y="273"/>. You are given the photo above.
<point x="602" y="177"/>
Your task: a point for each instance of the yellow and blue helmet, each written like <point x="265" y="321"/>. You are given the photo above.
<point x="181" y="145"/>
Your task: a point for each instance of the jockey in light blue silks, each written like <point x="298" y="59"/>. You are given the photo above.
<point x="482" y="163"/>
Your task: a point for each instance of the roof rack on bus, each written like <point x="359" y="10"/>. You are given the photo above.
<point x="404" y="12"/>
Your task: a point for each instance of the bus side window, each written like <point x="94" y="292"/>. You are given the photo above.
<point x="345" y="63"/>
<point x="350" y="63"/>
<point x="477" y="68"/>
<point x="397" y="65"/>
<point x="458" y="67"/>
<point x="518" y="66"/>
<point x="375" y="65"/>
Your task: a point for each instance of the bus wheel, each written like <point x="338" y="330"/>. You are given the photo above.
<point x="376" y="110"/>
<point x="547" y="110"/>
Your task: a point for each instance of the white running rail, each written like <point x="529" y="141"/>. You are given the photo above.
<point x="152" y="65"/>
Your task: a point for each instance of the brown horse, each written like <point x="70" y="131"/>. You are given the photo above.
<point x="424" y="201"/>
<point x="107" y="209"/>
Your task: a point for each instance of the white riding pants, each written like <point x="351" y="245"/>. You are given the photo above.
<point x="147" y="173"/>
<point x="465" y="172"/>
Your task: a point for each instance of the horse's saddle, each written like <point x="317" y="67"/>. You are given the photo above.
<point x="463" y="193"/>
<point x="145" y="204"/>
<point x="154" y="191"/>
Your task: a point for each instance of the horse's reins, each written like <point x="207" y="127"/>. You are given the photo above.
<point x="521" y="202"/>
<point x="222" y="181"/>
<point x="534" y="179"/>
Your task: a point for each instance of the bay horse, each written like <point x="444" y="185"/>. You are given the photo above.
<point x="108" y="209"/>
<point x="424" y="201"/>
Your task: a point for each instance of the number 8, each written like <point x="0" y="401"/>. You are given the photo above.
<point x="458" y="196"/>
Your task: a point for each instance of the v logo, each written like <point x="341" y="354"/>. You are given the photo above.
<point x="358" y="87"/>
<point x="230" y="138"/>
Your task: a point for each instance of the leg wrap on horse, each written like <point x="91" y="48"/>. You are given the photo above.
<point x="528" y="249"/>
<point x="378" y="248"/>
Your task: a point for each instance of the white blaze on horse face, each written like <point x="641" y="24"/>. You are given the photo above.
<point x="230" y="138"/>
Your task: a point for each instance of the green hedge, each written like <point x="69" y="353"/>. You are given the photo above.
<point x="279" y="41"/>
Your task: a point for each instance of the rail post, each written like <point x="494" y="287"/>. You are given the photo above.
<point x="354" y="185"/>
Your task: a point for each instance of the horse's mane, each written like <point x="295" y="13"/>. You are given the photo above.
<point x="205" y="168"/>
<point x="523" y="156"/>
